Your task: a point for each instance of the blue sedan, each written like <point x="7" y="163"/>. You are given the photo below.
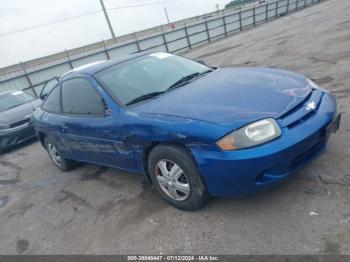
<point x="194" y="131"/>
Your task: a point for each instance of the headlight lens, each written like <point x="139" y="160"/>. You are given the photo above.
<point x="251" y="135"/>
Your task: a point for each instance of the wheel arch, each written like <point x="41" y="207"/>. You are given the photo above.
<point x="42" y="136"/>
<point x="148" y="149"/>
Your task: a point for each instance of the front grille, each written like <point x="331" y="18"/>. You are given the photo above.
<point x="302" y="119"/>
<point x="300" y="113"/>
<point x="299" y="106"/>
<point x="19" y="123"/>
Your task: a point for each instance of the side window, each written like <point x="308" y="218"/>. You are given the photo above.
<point x="48" y="87"/>
<point x="79" y="97"/>
<point x="52" y="102"/>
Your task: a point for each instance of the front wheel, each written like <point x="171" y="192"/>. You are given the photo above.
<point x="56" y="157"/>
<point x="174" y="174"/>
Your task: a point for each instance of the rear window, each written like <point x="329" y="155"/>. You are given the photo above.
<point x="14" y="99"/>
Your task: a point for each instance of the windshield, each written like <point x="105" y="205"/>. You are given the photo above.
<point x="14" y="99"/>
<point x="150" y="74"/>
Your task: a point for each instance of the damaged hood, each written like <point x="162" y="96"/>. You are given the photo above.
<point x="233" y="97"/>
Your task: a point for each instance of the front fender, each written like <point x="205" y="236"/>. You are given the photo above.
<point x="140" y="131"/>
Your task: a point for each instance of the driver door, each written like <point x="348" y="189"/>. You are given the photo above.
<point x="86" y="127"/>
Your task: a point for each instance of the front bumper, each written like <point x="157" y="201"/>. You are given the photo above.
<point x="243" y="172"/>
<point x="14" y="136"/>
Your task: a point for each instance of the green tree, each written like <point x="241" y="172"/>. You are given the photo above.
<point x="237" y="3"/>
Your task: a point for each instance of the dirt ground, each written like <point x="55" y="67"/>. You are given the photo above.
<point x="97" y="210"/>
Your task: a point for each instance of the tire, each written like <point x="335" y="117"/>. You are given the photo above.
<point x="5" y="150"/>
<point x="62" y="163"/>
<point x="175" y="176"/>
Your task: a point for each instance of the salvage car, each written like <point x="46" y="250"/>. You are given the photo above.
<point x="193" y="130"/>
<point x="16" y="108"/>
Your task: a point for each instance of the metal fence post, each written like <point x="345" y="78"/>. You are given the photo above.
<point x="267" y="11"/>
<point x="137" y="43"/>
<point x="297" y="6"/>
<point x="276" y="9"/>
<point x="165" y="43"/>
<point x="207" y="29"/>
<point x="106" y="50"/>
<point x="287" y="6"/>
<point x="240" y="20"/>
<point x="68" y="57"/>
<point x="304" y="3"/>
<point x="187" y="37"/>
<point x="254" y="15"/>
<point x="28" y="79"/>
<point x="224" y="21"/>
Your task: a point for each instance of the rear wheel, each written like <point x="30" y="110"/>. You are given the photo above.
<point x="56" y="157"/>
<point x="174" y="174"/>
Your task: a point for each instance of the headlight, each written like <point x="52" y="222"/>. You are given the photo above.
<point x="251" y="135"/>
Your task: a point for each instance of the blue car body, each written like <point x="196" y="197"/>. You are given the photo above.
<point x="196" y="116"/>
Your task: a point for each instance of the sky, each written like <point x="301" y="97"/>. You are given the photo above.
<point x="30" y="44"/>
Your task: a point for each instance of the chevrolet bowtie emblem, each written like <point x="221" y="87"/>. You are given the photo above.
<point x="311" y="106"/>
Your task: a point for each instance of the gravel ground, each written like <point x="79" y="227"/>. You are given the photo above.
<point x="97" y="210"/>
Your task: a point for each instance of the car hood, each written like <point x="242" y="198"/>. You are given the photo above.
<point x="233" y="97"/>
<point x="19" y="113"/>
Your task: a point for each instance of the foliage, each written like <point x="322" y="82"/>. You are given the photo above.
<point x="236" y="3"/>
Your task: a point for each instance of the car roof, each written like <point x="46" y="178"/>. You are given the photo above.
<point x="95" y="67"/>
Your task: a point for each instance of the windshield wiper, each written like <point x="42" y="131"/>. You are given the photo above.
<point x="144" y="97"/>
<point x="187" y="79"/>
<point x="183" y="81"/>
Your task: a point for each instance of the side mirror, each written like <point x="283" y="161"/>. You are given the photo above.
<point x="108" y="111"/>
<point x="43" y="96"/>
<point x="201" y="62"/>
